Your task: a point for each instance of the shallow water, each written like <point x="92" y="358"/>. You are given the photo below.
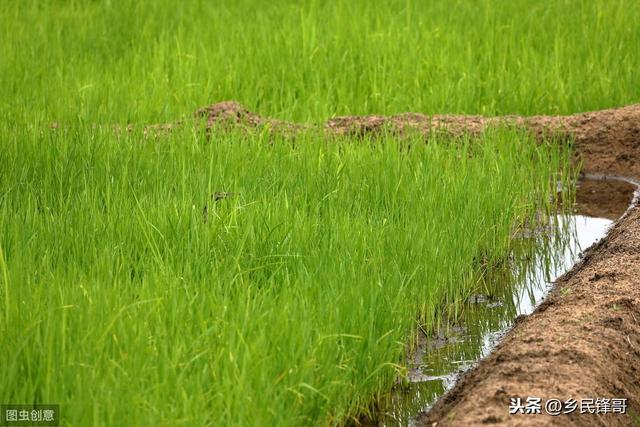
<point x="584" y="231"/>
<point x="509" y="292"/>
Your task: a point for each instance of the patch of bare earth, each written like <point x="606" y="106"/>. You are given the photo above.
<point x="584" y="340"/>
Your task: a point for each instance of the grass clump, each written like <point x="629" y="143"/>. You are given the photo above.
<point x="288" y="302"/>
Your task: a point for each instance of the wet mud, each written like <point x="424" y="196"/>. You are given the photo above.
<point x="603" y="198"/>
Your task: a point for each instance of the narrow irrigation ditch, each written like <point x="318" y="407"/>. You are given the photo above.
<point x="582" y="342"/>
<point x="441" y="359"/>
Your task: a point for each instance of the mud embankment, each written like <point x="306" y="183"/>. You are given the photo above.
<point x="583" y="341"/>
<point x="607" y="141"/>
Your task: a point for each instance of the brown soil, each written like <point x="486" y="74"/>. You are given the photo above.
<point x="584" y="339"/>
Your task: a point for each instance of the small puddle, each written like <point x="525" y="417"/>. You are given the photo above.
<point x="512" y="292"/>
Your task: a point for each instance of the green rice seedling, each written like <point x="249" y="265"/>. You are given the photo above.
<point x="133" y="291"/>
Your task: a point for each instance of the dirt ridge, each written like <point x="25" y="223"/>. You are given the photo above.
<point x="606" y="141"/>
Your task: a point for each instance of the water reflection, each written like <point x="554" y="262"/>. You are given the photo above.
<point x="508" y="292"/>
<point x="583" y="232"/>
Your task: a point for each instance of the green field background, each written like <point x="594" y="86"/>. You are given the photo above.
<point x="151" y="61"/>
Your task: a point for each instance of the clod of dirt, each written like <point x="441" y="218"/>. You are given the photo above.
<point x="225" y="115"/>
<point x="229" y="112"/>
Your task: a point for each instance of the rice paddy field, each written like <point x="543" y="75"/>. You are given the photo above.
<point x="245" y="278"/>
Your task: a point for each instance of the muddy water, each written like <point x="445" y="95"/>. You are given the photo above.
<point x="507" y="294"/>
